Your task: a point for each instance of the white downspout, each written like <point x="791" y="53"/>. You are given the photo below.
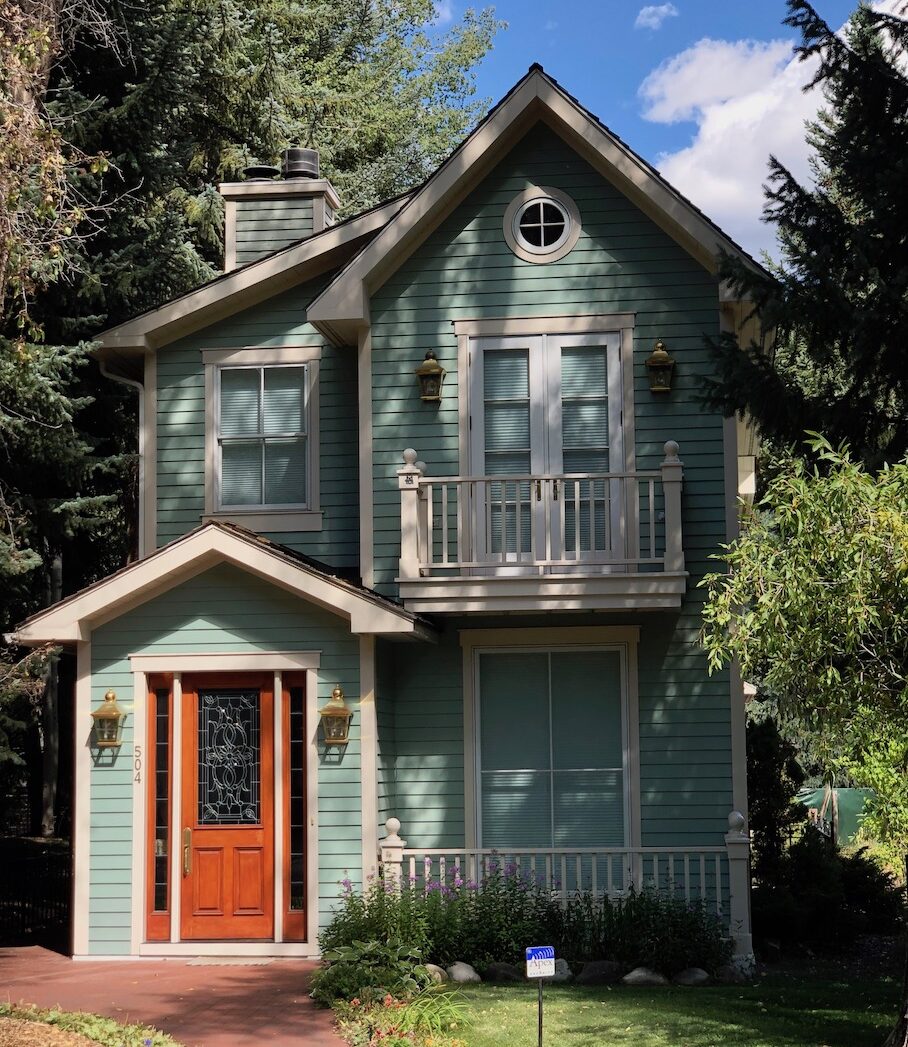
<point x="136" y="384"/>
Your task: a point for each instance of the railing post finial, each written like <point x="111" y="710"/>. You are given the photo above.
<point x="392" y="856"/>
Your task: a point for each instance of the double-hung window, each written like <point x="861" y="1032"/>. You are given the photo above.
<point x="262" y="437"/>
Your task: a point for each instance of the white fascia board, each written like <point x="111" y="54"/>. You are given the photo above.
<point x="73" y="619"/>
<point x="247" y="286"/>
<point x="341" y="305"/>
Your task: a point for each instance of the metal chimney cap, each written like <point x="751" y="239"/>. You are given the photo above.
<point x="299" y="163"/>
<point x="260" y="173"/>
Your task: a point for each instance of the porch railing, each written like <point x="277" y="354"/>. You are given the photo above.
<point x="540" y="524"/>
<point x="717" y="876"/>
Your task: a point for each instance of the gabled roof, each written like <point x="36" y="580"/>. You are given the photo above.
<point x="252" y="283"/>
<point x="343" y="307"/>
<point x="215" y="543"/>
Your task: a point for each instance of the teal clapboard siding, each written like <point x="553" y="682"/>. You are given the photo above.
<point x="622" y="263"/>
<point x="181" y="424"/>
<point x="222" y="609"/>
<point x="269" y="224"/>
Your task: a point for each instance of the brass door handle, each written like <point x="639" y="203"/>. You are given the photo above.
<point x="187" y="851"/>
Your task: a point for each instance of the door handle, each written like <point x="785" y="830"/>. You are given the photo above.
<point x="187" y="851"/>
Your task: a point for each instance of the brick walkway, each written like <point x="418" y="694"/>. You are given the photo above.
<point x="200" y="1006"/>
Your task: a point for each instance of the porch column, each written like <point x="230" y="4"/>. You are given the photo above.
<point x="737" y="841"/>
<point x="408" y="482"/>
<point x="672" y="469"/>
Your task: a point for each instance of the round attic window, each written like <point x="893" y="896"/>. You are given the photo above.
<point x="541" y="224"/>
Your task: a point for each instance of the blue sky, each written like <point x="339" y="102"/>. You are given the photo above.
<point x="704" y="89"/>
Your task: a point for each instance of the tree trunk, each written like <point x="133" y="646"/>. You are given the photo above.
<point x="899" y="1035"/>
<point x="50" y="716"/>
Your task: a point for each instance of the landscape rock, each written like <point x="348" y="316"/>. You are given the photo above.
<point x="436" y="973"/>
<point x="600" y="972"/>
<point x="562" y="972"/>
<point x="644" y="976"/>
<point x="691" y="976"/>
<point x="462" y="973"/>
<point x="504" y="972"/>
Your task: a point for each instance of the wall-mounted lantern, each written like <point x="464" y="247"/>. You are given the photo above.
<point x="659" y="367"/>
<point x="430" y="375"/>
<point x="108" y="722"/>
<point x="336" y="719"/>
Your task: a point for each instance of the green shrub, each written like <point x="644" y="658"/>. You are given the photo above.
<point x="366" y="970"/>
<point x="460" y="920"/>
<point x="428" y="1018"/>
<point x="824" y="898"/>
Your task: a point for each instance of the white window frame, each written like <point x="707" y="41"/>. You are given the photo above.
<point x="530" y="252"/>
<point x="623" y="639"/>
<point x="301" y="517"/>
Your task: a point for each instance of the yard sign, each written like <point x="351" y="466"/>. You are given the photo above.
<point x="540" y="964"/>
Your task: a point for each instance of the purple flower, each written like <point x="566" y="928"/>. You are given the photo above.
<point x="347" y="886"/>
<point x="458" y="879"/>
<point x="510" y="869"/>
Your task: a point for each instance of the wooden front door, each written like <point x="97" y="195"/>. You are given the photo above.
<point x="227" y="827"/>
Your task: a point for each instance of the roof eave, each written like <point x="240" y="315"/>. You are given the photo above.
<point x="341" y="309"/>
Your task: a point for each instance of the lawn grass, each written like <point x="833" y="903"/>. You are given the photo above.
<point x="786" y="1008"/>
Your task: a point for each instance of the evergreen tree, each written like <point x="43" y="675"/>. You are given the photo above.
<point x="120" y="119"/>
<point x="837" y="304"/>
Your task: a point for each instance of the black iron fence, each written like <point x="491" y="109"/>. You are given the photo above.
<point x="35" y="889"/>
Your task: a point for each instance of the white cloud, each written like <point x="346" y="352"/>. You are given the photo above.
<point x="653" y="15"/>
<point x="709" y="73"/>
<point x="444" y="12"/>
<point x="748" y="101"/>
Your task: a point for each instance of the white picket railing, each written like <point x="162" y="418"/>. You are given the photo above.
<point x="540" y="524"/>
<point x="717" y="877"/>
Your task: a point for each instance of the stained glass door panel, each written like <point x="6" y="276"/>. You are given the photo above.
<point x="227" y="840"/>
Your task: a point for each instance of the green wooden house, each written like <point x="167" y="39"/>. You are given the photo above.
<point x="428" y="460"/>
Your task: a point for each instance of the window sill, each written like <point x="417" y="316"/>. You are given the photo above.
<point x="281" y="520"/>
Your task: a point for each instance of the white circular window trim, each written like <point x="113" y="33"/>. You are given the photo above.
<point x="516" y="209"/>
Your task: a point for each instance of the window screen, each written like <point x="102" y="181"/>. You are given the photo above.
<point x="550" y="775"/>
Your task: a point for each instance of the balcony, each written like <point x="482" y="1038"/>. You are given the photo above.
<point x="590" y="541"/>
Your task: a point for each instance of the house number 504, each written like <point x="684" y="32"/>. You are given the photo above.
<point x="137" y="763"/>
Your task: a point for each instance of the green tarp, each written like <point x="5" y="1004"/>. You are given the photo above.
<point x="838" y="811"/>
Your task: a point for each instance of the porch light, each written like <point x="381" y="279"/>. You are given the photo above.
<point x="108" y="722"/>
<point x="430" y="375"/>
<point x="336" y="719"/>
<point x="659" y="367"/>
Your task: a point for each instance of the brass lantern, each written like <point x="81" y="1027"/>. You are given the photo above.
<point x="659" y="367"/>
<point x="336" y="719"/>
<point x="108" y="722"/>
<point x="430" y="375"/>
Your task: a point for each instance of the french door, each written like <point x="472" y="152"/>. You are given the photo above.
<point x="546" y="418"/>
<point x="227" y="826"/>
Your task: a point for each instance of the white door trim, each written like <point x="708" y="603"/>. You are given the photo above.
<point x="176" y="665"/>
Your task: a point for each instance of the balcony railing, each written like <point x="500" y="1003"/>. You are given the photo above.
<point x="566" y="526"/>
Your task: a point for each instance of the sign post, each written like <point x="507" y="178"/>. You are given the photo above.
<point x="540" y="965"/>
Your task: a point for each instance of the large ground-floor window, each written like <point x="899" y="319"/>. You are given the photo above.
<point x="551" y="743"/>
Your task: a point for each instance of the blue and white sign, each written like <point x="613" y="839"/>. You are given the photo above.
<point x="540" y="961"/>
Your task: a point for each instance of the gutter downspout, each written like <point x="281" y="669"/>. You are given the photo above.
<point x="140" y="388"/>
